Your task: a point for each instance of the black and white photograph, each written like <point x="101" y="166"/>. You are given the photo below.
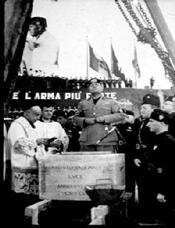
<point x="89" y="113"/>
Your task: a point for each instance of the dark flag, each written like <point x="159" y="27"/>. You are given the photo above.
<point x="93" y="60"/>
<point x="114" y="63"/>
<point x="104" y="69"/>
<point x="135" y="63"/>
<point x="98" y="64"/>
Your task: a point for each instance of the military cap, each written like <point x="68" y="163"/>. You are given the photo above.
<point x="160" y="116"/>
<point x="95" y="78"/>
<point x="151" y="99"/>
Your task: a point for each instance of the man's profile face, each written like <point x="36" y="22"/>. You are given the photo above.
<point x="169" y="106"/>
<point x="154" y="125"/>
<point x="33" y="114"/>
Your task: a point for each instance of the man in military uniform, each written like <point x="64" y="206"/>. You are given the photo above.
<point x="162" y="158"/>
<point x="143" y="144"/>
<point x="126" y="136"/>
<point x="95" y="116"/>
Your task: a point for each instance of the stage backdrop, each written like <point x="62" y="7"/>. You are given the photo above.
<point x="127" y="97"/>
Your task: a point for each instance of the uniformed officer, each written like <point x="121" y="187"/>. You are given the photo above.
<point x="144" y="140"/>
<point x="95" y="116"/>
<point x="162" y="158"/>
<point x="125" y="133"/>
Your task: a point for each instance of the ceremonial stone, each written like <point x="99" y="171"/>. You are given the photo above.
<point x="65" y="176"/>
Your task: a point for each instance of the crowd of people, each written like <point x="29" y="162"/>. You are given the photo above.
<point x="98" y="124"/>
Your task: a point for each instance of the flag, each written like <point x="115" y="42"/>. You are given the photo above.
<point x="104" y="69"/>
<point x="135" y="63"/>
<point x="115" y="69"/>
<point x="114" y="63"/>
<point x="98" y="64"/>
<point x="93" y="60"/>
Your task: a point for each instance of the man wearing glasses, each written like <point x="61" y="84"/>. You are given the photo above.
<point x="95" y="116"/>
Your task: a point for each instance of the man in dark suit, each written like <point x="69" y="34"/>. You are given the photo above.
<point x="162" y="157"/>
<point x="95" y="116"/>
<point x="144" y="140"/>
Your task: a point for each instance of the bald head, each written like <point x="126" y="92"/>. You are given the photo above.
<point x="33" y="113"/>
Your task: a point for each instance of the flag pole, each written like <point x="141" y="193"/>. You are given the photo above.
<point x="87" y="58"/>
<point x="111" y="55"/>
<point x="135" y="79"/>
<point x="135" y="71"/>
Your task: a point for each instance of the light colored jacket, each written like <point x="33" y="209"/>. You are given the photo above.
<point x="22" y="142"/>
<point x="50" y="130"/>
<point x="23" y="148"/>
<point x="106" y="107"/>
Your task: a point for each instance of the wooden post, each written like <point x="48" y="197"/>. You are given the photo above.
<point x="33" y="211"/>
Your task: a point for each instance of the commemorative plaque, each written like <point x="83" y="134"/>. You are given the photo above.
<point x="65" y="176"/>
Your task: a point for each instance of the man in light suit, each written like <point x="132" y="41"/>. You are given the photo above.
<point x="95" y="116"/>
